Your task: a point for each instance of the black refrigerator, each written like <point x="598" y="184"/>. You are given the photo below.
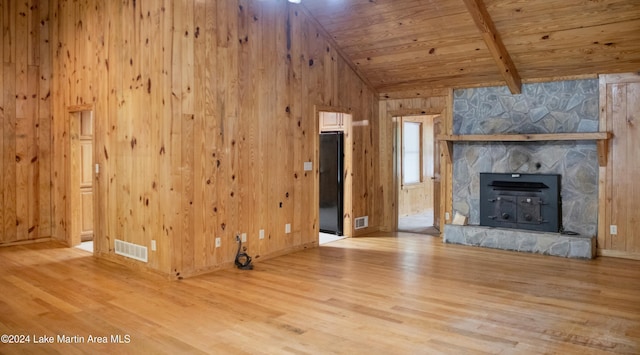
<point x="331" y="190"/>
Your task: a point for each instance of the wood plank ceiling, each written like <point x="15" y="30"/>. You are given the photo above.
<point x="413" y="45"/>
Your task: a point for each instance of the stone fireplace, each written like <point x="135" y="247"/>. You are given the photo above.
<point x="554" y="107"/>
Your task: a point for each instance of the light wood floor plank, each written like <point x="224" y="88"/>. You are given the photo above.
<point x="388" y="293"/>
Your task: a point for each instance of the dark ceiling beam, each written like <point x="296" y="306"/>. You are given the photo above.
<point x="494" y="43"/>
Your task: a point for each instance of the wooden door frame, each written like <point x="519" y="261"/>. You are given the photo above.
<point x="72" y="224"/>
<point x="347" y="190"/>
<point x="436" y="155"/>
<point x="392" y="116"/>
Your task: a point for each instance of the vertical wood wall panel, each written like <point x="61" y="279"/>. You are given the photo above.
<point x="619" y="193"/>
<point x="300" y="116"/>
<point x="104" y="145"/>
<point x="283" y="174"/>
<point x="9" y="217"/>
<point x="25" y="160"/>
<point x="9" y="31"/>
<point x="44" y="120"/>
<point x="231" y="124"/>
<point x="56" y="104"/>
<point x="152" y="83"/>
<point x="633" y="134"/>
<point x="199" y="139"/>
<point x="226" y="34"/>
<point x="249" y="174"/>
<point x="267" y="140"/>
<point x="145" y="128"/>
<point x="212" y="136"/>
<point x="123" y="63"/>
<point x="168" y="192"/>
<point x="31" y="160"/>
<point x="11" y="167"/>
<point x="204" y="116"/>
<point x="23" y="120"/>
<point x="174" y="145"/>
<point x="619" y="173"/>
<point x="242" y="176"/>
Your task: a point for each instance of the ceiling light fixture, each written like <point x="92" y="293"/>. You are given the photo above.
<point x="295" y="1"/>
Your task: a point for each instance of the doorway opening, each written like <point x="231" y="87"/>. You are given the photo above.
<point x="331" y="167"/>
<point x="333" y="178"/>
<point x="417" y="173"/>
<point x="80" y="168"/>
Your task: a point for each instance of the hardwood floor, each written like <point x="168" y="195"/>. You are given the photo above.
<point x="400" y="294"/>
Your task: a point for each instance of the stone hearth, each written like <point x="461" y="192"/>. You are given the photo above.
<point x="546" y="243"/>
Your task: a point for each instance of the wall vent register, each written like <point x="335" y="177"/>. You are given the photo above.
<point x="130" y="250"/>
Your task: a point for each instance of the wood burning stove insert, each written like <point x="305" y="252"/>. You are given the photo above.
<point x="521" y="201"/>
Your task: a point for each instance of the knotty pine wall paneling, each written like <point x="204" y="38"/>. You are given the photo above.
<point x="60" y="126"/>
<point x="45" y="119"/>
<point x="262" y="141"/>
<point x="200" y="158"/>
<point x="24" y="128"/>
<point x="204" y="117"/>
<point x="25" y="144"/>
<point x="304" y="50"/>
<point x="618" y="186"/>
<point x="228" y="90"/>
<point x="182" y="102"/>
<point x="58" y="103"/>
<point x="144" y="188"/>
<point x="166" y="159"/>
<point x="104" y="128"/>
<point x="365" y="168"/>
<point x="299" y="113"/>
<point x="245" y="141"/>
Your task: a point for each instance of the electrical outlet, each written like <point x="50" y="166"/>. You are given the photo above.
<point x="218" y="242"/>
<point x="261" y="234"/>
<point x="613" y="229"/>
<point x="287" y="228"/>
<point x="243" y="237"/>
<point x="153" y="245"/>
<point x="446" y="216"/>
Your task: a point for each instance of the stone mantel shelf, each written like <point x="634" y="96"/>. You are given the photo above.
<point x="601" y="139"/>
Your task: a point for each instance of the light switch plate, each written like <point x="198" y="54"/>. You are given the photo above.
<point x="261" y="234"/>
<point x="287" y="228"/>
<point x="308" y="166"/>
<point x="613" y="229"/>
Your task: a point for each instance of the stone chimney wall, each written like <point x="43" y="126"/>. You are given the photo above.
<point x="553" y="107"/>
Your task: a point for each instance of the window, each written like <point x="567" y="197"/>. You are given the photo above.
<point x="411" y="152"/>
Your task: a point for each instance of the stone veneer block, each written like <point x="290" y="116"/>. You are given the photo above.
<point x="555" y="244"/>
